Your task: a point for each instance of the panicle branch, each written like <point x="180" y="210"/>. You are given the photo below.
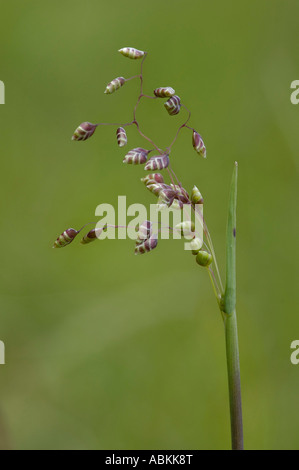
<point x="169" y="195"/>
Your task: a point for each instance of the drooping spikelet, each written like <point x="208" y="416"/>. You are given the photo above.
<point x="136" y="156"/>
<point x="154" y="183"/>
<point x="181" y="194"/>
<point x="173" y="105"/>
<point x="157" y="162"/>
<point x="145" y="231"/>
<point x="145" y="241"/>
<point x="198" y="144"/>
<point x="84" y="131"/>
<point x="153" y="178"/>
<point x="203" y="258"/>
<point x="114" y="85"/>
<point x="166" y="197"/>
<point x="92" y="235"/>
<point x="121" y="136"/>
<point x="196" y="197"/>
<point x="146" y="246"/>
<point x="155" y="188"/>
<point x="131" y="53"/>
<point x="65" y="238"/>
<point x="164" y="92"/>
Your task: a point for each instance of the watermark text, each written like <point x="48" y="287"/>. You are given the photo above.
<point x="295" y="354"/>
<point x="164" y="221"/>
<point x="295" y="94"/>
<point x="2" y="93"/>
<point x="2" y="353"/>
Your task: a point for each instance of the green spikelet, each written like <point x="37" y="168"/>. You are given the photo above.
<point x="203" y="258"/>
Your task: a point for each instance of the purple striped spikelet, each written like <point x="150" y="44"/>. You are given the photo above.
<point x="114" y="85"/>
<point x="174" y="196"/>
<point x="145" y="231"/>
<point x="166" y="197"/>
<point x="157" y="162"/>
<point x="153" y="178"/>
<point x="154" y="183"/>
<point x="136" y="156"/>
<point x="164" y="92"/>
<point x="146" y="246"/>
<point x="181" y="194"/>
<point x="131" y="52"/>
<point x="155" y="188"/>
<point x="168" y="194"/>
<point x="198" y="144"/>
<point x="92" y="235"/>
<point x="65" y="238"/>
<point x="121" y="136"/>
<point x="145" y="241"/>
<point x="84" y="131"/>
<point x="173" y="105"/>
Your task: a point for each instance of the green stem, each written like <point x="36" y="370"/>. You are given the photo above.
<point x="234" y="382"/>
<point x="228" y="307"/>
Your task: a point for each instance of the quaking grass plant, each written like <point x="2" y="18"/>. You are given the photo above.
<point x="175" y="195"/>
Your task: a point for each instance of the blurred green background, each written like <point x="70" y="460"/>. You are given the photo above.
<point x="104" y="349"/>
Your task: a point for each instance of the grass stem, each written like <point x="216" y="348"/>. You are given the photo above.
<point x="228" y="307"/>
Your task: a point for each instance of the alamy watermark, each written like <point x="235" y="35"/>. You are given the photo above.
<point x="2" y="353"/>
<point x="169" y="222"/>
<point x="2" y="93"/>
<point x="145" y="227"/>
<point x="295" y="94"/>
<point x="295" y="354"/>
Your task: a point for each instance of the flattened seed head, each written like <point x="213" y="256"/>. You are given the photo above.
<point x="157" y="162"/>
<point x="137" y="156"/>
<point x="84" y="131"/>
<point x="198" y="144"/>
<point x="164" y="92"/>
<point x="132" y="53"/>
<point x="173" y="105"/>
<point x="65" y="238"/>
<point x="114" y="85"/>
<point x="121" y="136"/>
